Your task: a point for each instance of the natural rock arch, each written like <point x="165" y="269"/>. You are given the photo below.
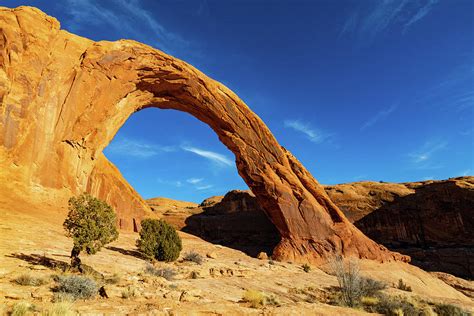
<point x="64" y="97"/>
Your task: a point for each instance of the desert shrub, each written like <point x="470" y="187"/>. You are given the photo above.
<point x="59" y="309"/>
<point x="403" y="286"/>
<point x="194" y="275"/>
<point x="75" y="287"/>
<point x="254" y="298"/>
<point x="394" y="306"/>
<point x="449" y="310"/>
<point x="27" y="279"/>
<point x="158" y="240"/>
<point x="22" y="308"/>
<point x="129" y="292"/>
<point x="166" y="273"/>
<point x="193" y="257"/>
<point x="113" y="279"/>
<point x="91" y="223"/>
<point x="352" y="285"/>
<point x="306" y="267"/>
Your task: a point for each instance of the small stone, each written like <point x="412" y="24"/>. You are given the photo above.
<point x="262" y="256"/>
<point x="211" y="255"/>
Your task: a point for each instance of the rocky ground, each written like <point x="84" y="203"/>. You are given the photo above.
<point x="215" y="287"/>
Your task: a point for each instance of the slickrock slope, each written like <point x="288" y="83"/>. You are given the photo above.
<point x="64" y="97"/>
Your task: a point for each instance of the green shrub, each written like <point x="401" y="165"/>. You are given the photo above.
<point x="193" y="257"/>
<point x="403" y="286"/>
<point x="166" y="273"/>
<point x="450" y="310"/>
<point x="29" y="280"/>
<point x="91" y="223"/>
<point x="158" y="240"/>
<point x="74" y="287"/>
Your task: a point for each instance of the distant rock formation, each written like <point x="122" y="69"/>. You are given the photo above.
<point x="235" y="220"/>
<point x="64" y="97"/>
<point x="432" y="221"/>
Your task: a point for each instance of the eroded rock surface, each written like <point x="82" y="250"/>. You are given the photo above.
<point x="432" y="221"/>
<point x="64" y="97"/>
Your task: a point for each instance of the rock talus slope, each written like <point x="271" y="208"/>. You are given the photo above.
<point x="64" y="97"/>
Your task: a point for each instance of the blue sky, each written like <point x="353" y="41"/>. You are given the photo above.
<point x="357" y="90"/>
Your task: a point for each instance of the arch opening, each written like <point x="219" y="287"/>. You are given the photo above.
<point x="182" y="171"/>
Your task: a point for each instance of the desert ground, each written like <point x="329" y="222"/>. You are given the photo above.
<point x="215" y="287"/>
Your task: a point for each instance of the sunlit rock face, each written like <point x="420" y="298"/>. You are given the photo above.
<point x="64" y="97"/>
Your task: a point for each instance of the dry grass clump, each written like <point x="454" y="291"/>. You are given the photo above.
<point x="166" y="273"/>
<point x="113" y="279"/>
<point x="254" y="298"/>
<point x="306" y="268"/>
<point x="352" y="285"/>
<point x="22" y="308"/>
<point x="59" y="309"/>
<point x="257" y="299"/>
<point x="450" y="310"/>
<point x="403" y="286"/>
<point x="29" y="280"/>
<point x="129" y="292"/>
<point x="193" y="257"/>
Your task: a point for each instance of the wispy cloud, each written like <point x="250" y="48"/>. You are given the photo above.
<point x="135" y="148"/>
<point x="313" y="134"/>
<point x="194" y="180"/>
<point x="369" y="21"/>
<point x="467" y="172"/>
<point x="379" y="116"/>
<point x="129" y="18"/>
<point x="212" y="156"/>
<point x="204" y="187"/>
<point x="422" y="156"/>
<point x="175" y="183"/>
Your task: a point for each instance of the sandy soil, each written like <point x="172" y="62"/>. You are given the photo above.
<point x="26" y="237"/>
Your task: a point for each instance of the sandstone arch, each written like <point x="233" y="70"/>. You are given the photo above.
<point x="64" y="97"/>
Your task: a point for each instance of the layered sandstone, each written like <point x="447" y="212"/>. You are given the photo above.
<point x="64" y="97"/>
<point x="432" y="221"/>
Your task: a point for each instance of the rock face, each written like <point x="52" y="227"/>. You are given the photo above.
<point x="432" y="221"/>
<point x="64" y="97"/>
<point x="235" y="220"/>
<point x="434" y="224"/>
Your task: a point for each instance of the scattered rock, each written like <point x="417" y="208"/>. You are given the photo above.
<point x="262" y="256"/>
<point x="211" y="255"/>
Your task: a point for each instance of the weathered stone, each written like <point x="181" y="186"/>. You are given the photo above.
<point x="262" y="256"/>
<point x="64" y="97"/>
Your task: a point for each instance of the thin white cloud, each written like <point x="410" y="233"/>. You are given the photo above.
<point x="174" y="183"/>
<point x="213" y="156"/>
<point x="426" y="152"/>
<point x="135" y="148"/>
<point x="367" y="22"/>
<point x="380" y="116"/>
<point x="204" y="187"/>
<point x="127" y="17"/>
<point x="313" y="134"/>
<point x="421" y="13"/>
<point x="194" y="180"/>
